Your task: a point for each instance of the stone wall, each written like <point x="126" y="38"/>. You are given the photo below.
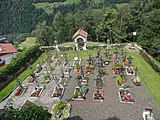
<point x="148" y="58"/>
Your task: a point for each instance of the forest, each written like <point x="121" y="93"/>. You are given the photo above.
<point x="110" y="19"/>
<point x="112" y="22"/>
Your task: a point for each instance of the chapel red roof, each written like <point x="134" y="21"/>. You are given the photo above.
<point x="80" y="32"/>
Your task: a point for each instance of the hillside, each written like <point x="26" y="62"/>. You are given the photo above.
<point x="19" y="17"/>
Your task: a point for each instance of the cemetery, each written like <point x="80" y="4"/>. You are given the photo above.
<point x="104" y="81"/>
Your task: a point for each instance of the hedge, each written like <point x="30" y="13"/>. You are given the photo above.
<point x="18" y="63"/>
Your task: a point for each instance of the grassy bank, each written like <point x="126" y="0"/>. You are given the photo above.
<point x="29" y="42"/>
<point x="150" y="78"/>
<point x="13" y="84"/>
<point x="71" y="44"/>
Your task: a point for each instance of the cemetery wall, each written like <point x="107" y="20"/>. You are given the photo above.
<point x="148" y="58"/>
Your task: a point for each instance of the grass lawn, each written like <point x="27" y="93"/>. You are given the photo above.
<point x="43" y="6"/>
<point x="150" y="78"/>
<point x="88" y="44"/>
<point x="29" y="42"/>
<point x="119" y="6"/>
<point x="72" y="1"/>
<point x="13" y="84"/>
<point x="82" y="54"/>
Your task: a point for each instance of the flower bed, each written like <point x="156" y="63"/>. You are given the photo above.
<point x="116" y="61"/>
<point x="88" y="71"/>
<point x="148" y="114"/>
<point x="67" y="73"/>
<point x="47" y="79"/>
<point x="57" y="62"/>
<point x="136" y="81"/>
<point x="130" y="71"/>
<point x="120" y="80"/>
<point x="36" y="92"/>
<point x="117" y="72"/>
<point x="76" y="60"/>
<point x="78" y="71"/>
<point x="126" y="62"/>
<point x="79" y="93"/>
<point x="30" y="79"/>
<point x="83" y="82"/>
<point x="61" y="111"/>
<point x="58" y="92"/>
<point x="106" y="61"/>
<point x="64" y="81"/>
<point x="20" y="91"/>
<point x="117" y="69"/>
<point x="125" y="96"/>
<point x="38" y="69"/>
<point x="98" y="95"/>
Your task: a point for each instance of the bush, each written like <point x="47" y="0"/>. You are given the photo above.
<point x="79" y="77"/>
<point x="19" y="63"/>
<point x="75" y="95"/>
<point x="87" y="78"/>
<point x="155" y="66"/>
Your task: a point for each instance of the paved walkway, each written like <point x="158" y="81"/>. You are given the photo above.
<point x="44" y="100"/>
<point x="88" y="109"/>
<point x="111" y="106"/>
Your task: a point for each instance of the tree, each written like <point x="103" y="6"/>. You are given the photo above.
<point x="19" y="16"/>
<point x="106" y="24"/>
<point x="59" y="27"/>
<point x="44" y="34"/>
<point x="32" y="112"/>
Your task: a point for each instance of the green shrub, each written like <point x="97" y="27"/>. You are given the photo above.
<point x="19" y="63"/>
<point x="79" y="77"/>
<point x="32" y="74"/>
<point x="79" y="94"/>
<point x="75" y="95"/>
<point x="77" y="65"/>
<point x="87" y="78"/>
<point x="61" y="105"/>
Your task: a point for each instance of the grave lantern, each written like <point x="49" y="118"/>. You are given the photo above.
<point x="134" y="36"/>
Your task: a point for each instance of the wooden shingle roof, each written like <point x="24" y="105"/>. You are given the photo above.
<point x="80" y="32"/>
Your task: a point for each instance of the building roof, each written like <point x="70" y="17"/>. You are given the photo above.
<point x="7" y="48"/>
<point x="80" y="32"/>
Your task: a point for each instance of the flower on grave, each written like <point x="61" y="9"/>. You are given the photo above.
<point x="77" y="65"/>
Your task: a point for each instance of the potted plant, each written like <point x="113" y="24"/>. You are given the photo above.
<point x="120" y="80"/>
<point x="61" y="111"/>
<point x="58" y="92"/>
<point x="36" y="91"/>
<point x="30" y="79"/>
<point x="136" y="81"/>
<point x="125" y="96"/>
<point x="78" y="70"/>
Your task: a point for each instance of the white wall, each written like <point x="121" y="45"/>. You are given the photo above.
<point x="84" y="39"/>
<point x="7" y="57"/>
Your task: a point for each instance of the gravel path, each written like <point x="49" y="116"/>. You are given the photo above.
<point x="44" y="100"/>
<point x="111" y="106"/>
<point x="89" y="109"/>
